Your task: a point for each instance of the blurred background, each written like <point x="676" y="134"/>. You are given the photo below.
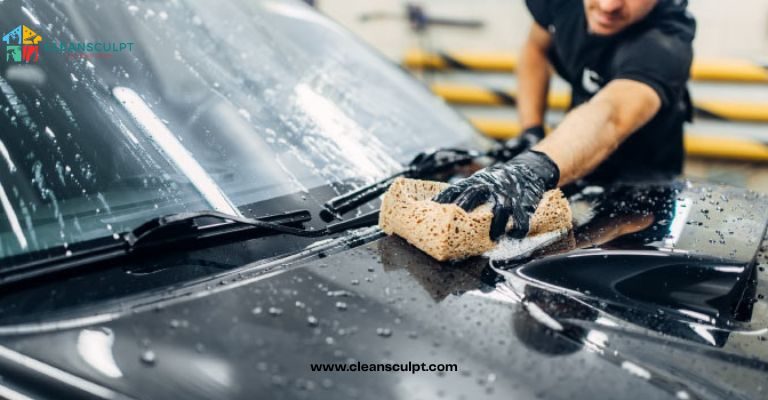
<point x="727" y="142"/>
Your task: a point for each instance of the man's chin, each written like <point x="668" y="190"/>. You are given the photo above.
<point x="604" y="30"/>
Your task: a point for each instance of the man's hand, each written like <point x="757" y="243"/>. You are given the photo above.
<point x="432" y="160"/>
<point x="514" y="190"/>
<point x="525" y="141"/>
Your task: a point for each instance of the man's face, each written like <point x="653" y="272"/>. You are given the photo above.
<point x="609" y="17"/>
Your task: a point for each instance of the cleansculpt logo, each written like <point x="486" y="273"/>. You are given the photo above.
<point x="22" y="45"/>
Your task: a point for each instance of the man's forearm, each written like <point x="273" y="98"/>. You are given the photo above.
<point x="584" y="139"/>
<point x="533" y="85"/>
<point x="592" y="131"/>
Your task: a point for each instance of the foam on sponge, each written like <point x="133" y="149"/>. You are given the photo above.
<point x="447" y="232"/>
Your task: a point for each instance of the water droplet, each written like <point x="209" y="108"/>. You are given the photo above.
<point x="355" y="282"/>
<point x="384" y="332"/>
<point x="256" y="311"/>
<point x="148" y="357"/>
<point x="341" y="305"/>
<point x="312" y="321"/>
<point x="682" y="395"/>
<point x="274" y="311"/>
<point x="278" y="380"/>
<point x="245" y="114"/>
<point x="179" y="323"/>
<point x="49" y="132"/>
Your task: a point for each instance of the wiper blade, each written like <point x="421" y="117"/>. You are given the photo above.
<point x="176" y="227"/>
<point x="175" y="230"/>
<point x="422" y="166"/>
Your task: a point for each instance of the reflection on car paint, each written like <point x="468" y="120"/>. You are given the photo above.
<point x="702" y="293"/>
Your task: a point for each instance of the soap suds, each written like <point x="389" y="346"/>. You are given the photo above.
<point x="509" y="248"/>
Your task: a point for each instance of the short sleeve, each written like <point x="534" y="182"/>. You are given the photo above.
<point x="540" y="12"/>
<point x="660" y="60"/>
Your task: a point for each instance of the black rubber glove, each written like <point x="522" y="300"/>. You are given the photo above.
<point x="513" y="188"/>
<point x="429" y="161"/>
<point x="526" y="140"/>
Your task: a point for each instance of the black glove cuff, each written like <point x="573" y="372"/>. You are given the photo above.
<point x="544" y="167"/>
<point x="533" y="134"/>
<point x="515" y="146"/>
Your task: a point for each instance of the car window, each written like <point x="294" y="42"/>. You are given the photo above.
<point x="113" y="113"/>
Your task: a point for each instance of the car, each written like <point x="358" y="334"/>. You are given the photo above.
<point x="196" y="218"/>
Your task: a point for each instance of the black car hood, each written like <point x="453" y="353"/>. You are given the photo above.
<point x="657" y="295"/>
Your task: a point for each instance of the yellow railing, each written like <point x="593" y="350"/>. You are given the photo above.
<point x="704" y="70"/>
<point x="468" y="94"/>
<point x="695" y="145"/>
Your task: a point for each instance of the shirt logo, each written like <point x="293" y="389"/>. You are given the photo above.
<point x="552" y="29"/>
<point x="591" y="81"/>
<point x="22" y="45"/>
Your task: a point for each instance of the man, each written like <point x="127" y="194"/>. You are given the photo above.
<point x="628" y="63"/>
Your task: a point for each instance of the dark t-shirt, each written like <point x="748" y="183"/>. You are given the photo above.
<point x="656" y="51"/>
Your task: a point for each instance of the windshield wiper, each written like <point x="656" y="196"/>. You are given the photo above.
<point x="422" y="166"/>
<point x="173" y="232"/>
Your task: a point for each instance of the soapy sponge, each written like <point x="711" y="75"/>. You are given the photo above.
<point x="447" y="232"/>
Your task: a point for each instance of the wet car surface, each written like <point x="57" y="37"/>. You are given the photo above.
<point x="539" y="328"/>
<point x="659" y="292"/>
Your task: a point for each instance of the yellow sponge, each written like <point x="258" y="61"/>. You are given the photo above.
<point x="447" y="232"/>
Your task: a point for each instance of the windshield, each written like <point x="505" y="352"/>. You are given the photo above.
<point x="116" y="112"/>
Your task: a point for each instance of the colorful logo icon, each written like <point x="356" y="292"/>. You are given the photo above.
<point x="22" y="45"/>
